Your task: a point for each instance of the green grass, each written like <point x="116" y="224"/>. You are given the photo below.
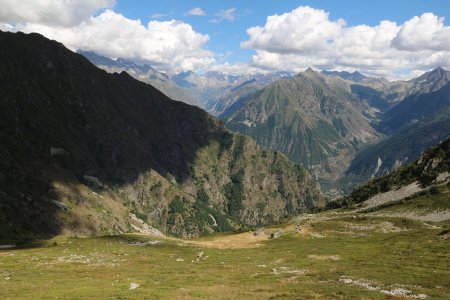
<point x="417" y="259"/>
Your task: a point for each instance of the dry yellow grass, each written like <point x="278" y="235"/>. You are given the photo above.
<point x="236" y="241"/>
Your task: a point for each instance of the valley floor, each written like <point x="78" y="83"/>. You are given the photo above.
<point x="331" y="255"/>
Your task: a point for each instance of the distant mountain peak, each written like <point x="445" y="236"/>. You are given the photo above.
<point x="187" y="73"/>
<point x="353" y="76"/>
<point x="437" y="70"/>
<point x="435" y="75"/>
<point x="310" y="73"/>
<point x="282" y="74"/>
<point x="117" y="63"/>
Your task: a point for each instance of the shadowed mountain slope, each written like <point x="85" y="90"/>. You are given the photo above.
<point x="415" y="108"/>
<point x="144" y="73"/>
<point x="82" y="148"/>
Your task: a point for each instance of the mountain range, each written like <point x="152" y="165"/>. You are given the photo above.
<point x="344" y="127"/>
<point x="214" y="91"/>
<point x="89" y="152"/>
<point x="308" y="117"/>
<point x="341" y="126"/>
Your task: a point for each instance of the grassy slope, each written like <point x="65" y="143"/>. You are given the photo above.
<point x="342" y="246"/>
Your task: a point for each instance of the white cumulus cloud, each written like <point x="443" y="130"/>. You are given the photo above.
<point x="307" y="37"/>
<point x="196" y="11"/>
<point x="224" y="15"/>
<point x="302" y="30"/>
<point x="50" y="12"/>
<point x="426" y="32"/>
<point x="164" y="44"/>
<point x="159" y="15"/>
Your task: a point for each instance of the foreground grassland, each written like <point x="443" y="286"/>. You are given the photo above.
<point x="332" y="256"/>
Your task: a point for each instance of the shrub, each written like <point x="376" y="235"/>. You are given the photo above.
<point x="234" y="192"/>
<point x="176" y="205"/>
<point x="434" y="190"/>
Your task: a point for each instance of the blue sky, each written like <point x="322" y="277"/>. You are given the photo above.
<point x="226" y="36"/>
<point x="394" y="39"/>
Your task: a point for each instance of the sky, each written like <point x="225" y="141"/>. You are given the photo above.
<point x="396" y="39"/>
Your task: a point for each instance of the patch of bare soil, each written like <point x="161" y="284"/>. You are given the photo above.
<point x="235" y="241"/>
<point x="251" y="239"/>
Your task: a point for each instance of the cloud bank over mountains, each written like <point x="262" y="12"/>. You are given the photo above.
<point x="307" y="37"/>
<point x="293" y="41"/>
<point x="164" y="44"/>
<point x="51" y="12"/>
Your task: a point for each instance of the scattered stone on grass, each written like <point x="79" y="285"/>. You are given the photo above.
<point x="94" y="259"/>
<point x="259" y="232"/>
<point x="390" y="290"/>
<point x="134" y="285"/>
<point x="275" y="234"/>
<point x="287" y="270"/>
<point x="151" y="243"/>
<point x="325" y="257"/>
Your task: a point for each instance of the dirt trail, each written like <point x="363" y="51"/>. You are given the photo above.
<point x="240" y="240"/>
<point x="234" y="241"/>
